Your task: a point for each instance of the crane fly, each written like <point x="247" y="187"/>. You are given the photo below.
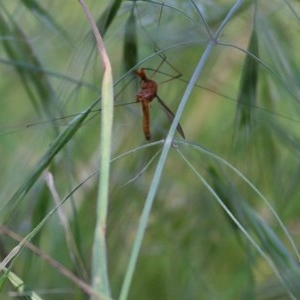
<point x="145" y="96"/>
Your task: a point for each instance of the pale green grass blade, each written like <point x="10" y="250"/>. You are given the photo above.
<point x="99" y="260"/>
<point x="20" y="286"/>
<point x="44" y="162"/>
<point x="259" y="234"/>
<point x="268" y="241"/>
<point x="45" y="17"/>
<point x="39" y="89"/>
<point x="162" y="160"/>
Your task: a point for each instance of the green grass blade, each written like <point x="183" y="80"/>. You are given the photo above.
<point x="256" y="231"/>
<point x="99" y="260"/>
<point x="37" y="85"/>
<point x="130" y="56"/>
<point x="162" y="160"/>
<point x="246" y="101"/>
<point x="44" y="162"/>
<point x="20" y="286"/>
<point x="108" y="16"/>
<point x="45" y="17"/>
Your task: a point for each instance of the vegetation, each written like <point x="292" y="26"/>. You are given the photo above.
<point x="212" y="216"/>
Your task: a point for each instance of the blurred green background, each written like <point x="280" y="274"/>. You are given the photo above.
<point x="211" y="234"/>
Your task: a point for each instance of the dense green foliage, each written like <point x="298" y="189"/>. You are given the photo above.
<point x="214" y="216"/>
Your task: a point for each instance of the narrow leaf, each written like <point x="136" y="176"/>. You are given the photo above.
<point x="130" y="42"/>
<point x="44" y="162"/>
<point x="248" y="85"/>
<point x="108" y="15"/>
<point x="170" y="116"/>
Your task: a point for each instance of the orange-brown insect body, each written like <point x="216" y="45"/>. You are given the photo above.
<point x="146" y="94"/>
<point x="146" y="118"/>
<point x="148" y="88"/>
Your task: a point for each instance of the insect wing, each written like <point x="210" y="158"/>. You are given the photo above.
<point x="170" y="115"/>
